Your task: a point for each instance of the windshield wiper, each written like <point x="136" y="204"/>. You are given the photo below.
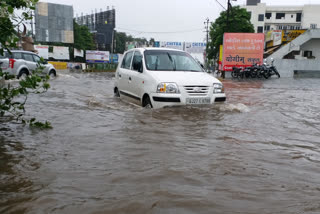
<point x="173" y="62"/>
<point x="193" y="70"/>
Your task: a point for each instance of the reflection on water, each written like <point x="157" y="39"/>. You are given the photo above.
<point x="257" y="153"/>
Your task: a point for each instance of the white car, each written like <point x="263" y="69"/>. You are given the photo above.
<point x="21" y="63"/>
<point x="159" y="77"/>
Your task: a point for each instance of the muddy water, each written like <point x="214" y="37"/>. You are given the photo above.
<point x="257" y="153"/>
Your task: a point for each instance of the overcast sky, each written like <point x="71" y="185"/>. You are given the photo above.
<point x="164" y="20"/>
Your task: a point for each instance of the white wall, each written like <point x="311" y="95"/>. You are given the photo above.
<point x="311" y="15"/>
<point x="286" y="67"/>
<point x="314" y="46"/>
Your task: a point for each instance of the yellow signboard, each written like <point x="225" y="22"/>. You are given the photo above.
<point x="289" y="35"/>
<point x="221" y="53"/>
<point x="59" y="65"/>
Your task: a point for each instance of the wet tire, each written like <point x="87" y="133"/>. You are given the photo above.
<point x="23" y="74"/>
<point x="116" y="92"/>
<point x="147" y="102"/>
<point x="52" y="73"/>
<point x="234" y="74"/>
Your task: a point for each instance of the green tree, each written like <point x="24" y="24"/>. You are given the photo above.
<point x="120" y="40"/>
<point x="239" y="22"/>
<point x="14" y="97"/>
<point x="82" y="37"/>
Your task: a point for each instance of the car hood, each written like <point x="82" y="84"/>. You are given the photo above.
<point x="184" y="77"/>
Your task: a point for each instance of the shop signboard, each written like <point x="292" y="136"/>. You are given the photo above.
<point x="97" y="56"/>
<point x="242" y="49"/>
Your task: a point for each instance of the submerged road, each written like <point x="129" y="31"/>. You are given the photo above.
<point x="257" y="153"/>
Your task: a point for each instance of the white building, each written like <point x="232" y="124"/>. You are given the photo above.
<point x="265" y="18"/>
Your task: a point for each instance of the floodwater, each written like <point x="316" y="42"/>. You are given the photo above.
<point x="258" y="153"/>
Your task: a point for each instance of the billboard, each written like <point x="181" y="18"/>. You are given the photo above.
<point x="289" y="35"/>
<point x="60" y="52"/>
<point x="173" y="45"/>
<point x="97" y="56"/>
<point x="54" y="23"/>
<point x="195" y="47"/>
<point x="43" y="51"/>
<point x="242" y="49"/>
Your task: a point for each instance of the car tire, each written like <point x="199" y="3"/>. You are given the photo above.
<point x="23" y="73"/>
<point x="52" y="73"/>
<point x="116" y="92"/>
<point x="146" y="103"/>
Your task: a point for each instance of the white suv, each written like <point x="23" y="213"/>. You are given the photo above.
<point x="21" y="63"/>
<point x="159" y="77"/>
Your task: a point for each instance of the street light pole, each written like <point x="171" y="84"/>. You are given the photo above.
<point x="206" y="23"/>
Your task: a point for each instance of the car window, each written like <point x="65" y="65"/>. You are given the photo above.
<point x="28" y="57"/>
<point x="167" y="60"/>
<point x="137" y="57"/>
<point x="5" y="55"/>
<point x="36" y="58"/>
<point x="17" y="55"/>
<point x="126" y="62"/>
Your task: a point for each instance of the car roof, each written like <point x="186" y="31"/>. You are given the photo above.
<point x="21" y="51"/>
<point x="155" y="48"/>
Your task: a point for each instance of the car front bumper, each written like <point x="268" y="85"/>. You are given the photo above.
<point x="162" y="100"/>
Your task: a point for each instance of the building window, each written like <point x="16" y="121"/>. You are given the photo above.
<point x="307" y="54"/>
<point x="261" y="18"/>
<point x="260" y="29"/>
<point x="313" y="26"/>
<point x="268" y="15"/>
<point x="250" y="13"/>
<point x="298" y="18"/>
<point x="266" y="27"/>
<point x="280" y="15"/>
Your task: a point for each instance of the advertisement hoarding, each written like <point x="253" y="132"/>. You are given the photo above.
<point x="195" y="47"/>
<point x="43" y="51"/>
<point x="242" y="49"/>
<point x="289" y="35"/>
<point x="97" y="56"/>
<point x="60" y="52"/>
<point x="173" y="45"/>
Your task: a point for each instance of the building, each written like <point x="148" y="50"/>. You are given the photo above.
<point x="101" y="25"/>
<point x="54" y="23"/>
<point x="265" y="18"/>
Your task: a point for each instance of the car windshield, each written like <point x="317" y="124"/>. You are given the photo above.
<point x="167" y="60"/>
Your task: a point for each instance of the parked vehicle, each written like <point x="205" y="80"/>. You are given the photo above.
<point x="159" y="77"/>
<point x="22" y="63"/>
<point x="256" y="71"/>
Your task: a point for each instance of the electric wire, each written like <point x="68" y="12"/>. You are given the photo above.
<point x="159" y="32"/>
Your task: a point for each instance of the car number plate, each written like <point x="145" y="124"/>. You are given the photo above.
<point x="196" y="101"/>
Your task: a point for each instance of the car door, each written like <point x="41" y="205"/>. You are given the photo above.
<point x="37" y="60"/>
<point x="31" y="64"/>
<point x="122" y="73"/>
<point x="136" y="76"/>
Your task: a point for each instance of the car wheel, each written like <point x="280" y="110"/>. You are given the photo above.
<point x="52" y="73"/>
<point x="116" y="92"/>
<point x="147" y="102"/>
<point x="23" y="74"/>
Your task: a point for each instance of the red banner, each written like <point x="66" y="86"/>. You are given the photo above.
<point x="242" y="49"/>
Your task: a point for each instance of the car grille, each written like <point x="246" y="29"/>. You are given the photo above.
<point x="197" y="90"/>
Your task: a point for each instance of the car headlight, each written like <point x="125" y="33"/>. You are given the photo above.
<point x="218" y="88"/>
<point x="168" y="87"/>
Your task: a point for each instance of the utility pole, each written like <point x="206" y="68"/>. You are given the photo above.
<point x="32" y="36"/>
<point x="206" y="26"/>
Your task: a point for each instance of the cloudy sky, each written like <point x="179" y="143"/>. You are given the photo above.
<point x="164" y="20"/>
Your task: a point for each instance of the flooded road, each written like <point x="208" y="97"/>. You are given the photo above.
<point x="257" y="153"/>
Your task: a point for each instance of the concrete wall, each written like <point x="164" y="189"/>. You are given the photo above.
<point x="312" y="45"/>
<point x="310" y="15"/>
<point x="286" y="67"/>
